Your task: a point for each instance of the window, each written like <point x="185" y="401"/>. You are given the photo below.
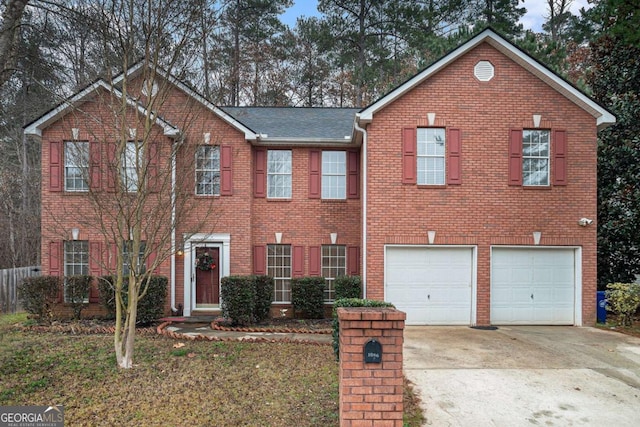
<point x="334" y="175"/>
<point x="208" y="170"/>
<point x="76" y="260"/>
<point x="430" y="156"/>
<point x="279" y="267"/>
<point x="76" y="166"/>
<point x="279" y="174"/>
<point x="131" y="162"/>
<point x="535" y="157"/>
<point x="334" y="264"/>
<point x="127" y="258"/>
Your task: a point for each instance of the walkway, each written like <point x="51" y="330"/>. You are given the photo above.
<point x="200" y="328"/>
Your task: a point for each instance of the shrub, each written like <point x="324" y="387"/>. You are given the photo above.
<point x="150" y="307"/>
<point x="623" y="299"/>
<point x="307" y="297"/>
<point x="39" y="295"/>
<point x="76" y="292"/>
<point x="264" y="296"/>
<point x="350" y="302"/>
<point x="238" y="294"/>
<point x="348" y="287"/>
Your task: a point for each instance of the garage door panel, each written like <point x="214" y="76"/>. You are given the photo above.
<point x="532" y="286"/>
<point x="432" y="285"/>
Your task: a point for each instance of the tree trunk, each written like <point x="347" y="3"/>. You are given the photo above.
<point x="10" y="38"/>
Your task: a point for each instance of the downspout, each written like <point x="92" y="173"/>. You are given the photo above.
<point x="364" y="204"/>
<point x="174" y="151"/>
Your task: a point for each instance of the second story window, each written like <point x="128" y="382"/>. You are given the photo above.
<point x="334" y="175"/>
<point x="208" y="170"/>
<point x="535" y="157"/>
<point x="76" y="166"/>
<point x="131" y="163"/>
<point x="279" y="174"/>
<point x="430" y="156"/>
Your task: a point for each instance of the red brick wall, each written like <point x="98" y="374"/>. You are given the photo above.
<point x="249" y="221"/>
<point x="484" y="210"/>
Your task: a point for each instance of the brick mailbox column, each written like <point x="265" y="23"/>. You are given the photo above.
<point x="371" y="391"/>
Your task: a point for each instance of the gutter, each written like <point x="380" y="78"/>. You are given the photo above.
<point x="173" y="224"/>
<point x="364" y="203"/>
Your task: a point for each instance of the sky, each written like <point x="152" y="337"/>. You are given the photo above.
<point x="533" y="19"/>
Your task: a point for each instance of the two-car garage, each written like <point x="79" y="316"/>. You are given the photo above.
<point x="437" y="285"/>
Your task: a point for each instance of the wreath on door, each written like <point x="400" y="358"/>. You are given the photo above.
<point x="204" y="262"/>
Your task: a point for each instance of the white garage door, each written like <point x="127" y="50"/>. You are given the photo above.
<point x="432" y="285"/>
<point x="532" y="286"/>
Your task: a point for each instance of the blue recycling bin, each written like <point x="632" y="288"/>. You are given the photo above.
<point x="602" y="307"/>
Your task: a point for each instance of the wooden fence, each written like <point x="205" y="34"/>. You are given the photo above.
<point x="9" y="280"/>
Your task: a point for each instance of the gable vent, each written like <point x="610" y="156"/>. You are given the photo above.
<point x="483" y="71"/>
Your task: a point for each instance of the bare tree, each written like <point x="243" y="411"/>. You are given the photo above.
<point x="135" y="169"/>
<point x="10" y="37"/>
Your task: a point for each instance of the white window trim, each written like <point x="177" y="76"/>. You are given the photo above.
<point x="547" y="158"/>
<point x="131" y="181"/>
<point x="204" y="170"/>
<point x="282" y="278"/>
<point x="331" y="189"/>
<point x="332" y="279"/>
<point x="289" y="174"/>
<point x="84" y="267"/>
<point x="83" y="168"/>
<point x="442" y="156"/>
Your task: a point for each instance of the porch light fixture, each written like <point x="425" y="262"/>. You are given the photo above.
<point x="536" y="120"/>
<point x="278" y="238"/>
<point x="431" y="234"/>
<point x="334" y="238"/>
<point x="76" y="133"/>
<point x="75" y="233"/>
<point x="536" y="237"/>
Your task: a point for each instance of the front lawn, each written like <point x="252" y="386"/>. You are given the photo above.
<point x="201" y="383"/>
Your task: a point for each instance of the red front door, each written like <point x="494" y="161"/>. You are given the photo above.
<point x="207" y="276"/>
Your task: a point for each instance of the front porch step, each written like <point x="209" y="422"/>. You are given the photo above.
<point x="208" y="313"/>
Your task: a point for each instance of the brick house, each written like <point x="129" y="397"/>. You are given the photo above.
<point x="463" y="196"/>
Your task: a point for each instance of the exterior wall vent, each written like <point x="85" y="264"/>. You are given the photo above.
<point x="483" y="71"/>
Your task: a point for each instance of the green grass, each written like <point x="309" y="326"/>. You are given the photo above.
<point x="202" y="383"/>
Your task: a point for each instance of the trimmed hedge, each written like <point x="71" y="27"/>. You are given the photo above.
<point x="39" y="295"/>
<point x="76" y="293"/>
<point x="307" y="297"/>
<point x="351" y="302"/>
<point x="264" y="297"/>
<point x="348" y="287"/>
<point x="150" y="307"/>
<point x="238" y="294"/>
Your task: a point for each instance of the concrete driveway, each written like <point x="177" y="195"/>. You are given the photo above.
<point x="524" y="376"/>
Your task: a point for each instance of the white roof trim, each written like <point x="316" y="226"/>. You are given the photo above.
<point x="248" y="133"/>
<point x="35" y="128"/>
<point x="304" y="142"/>
<point x="603" y="117"/>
